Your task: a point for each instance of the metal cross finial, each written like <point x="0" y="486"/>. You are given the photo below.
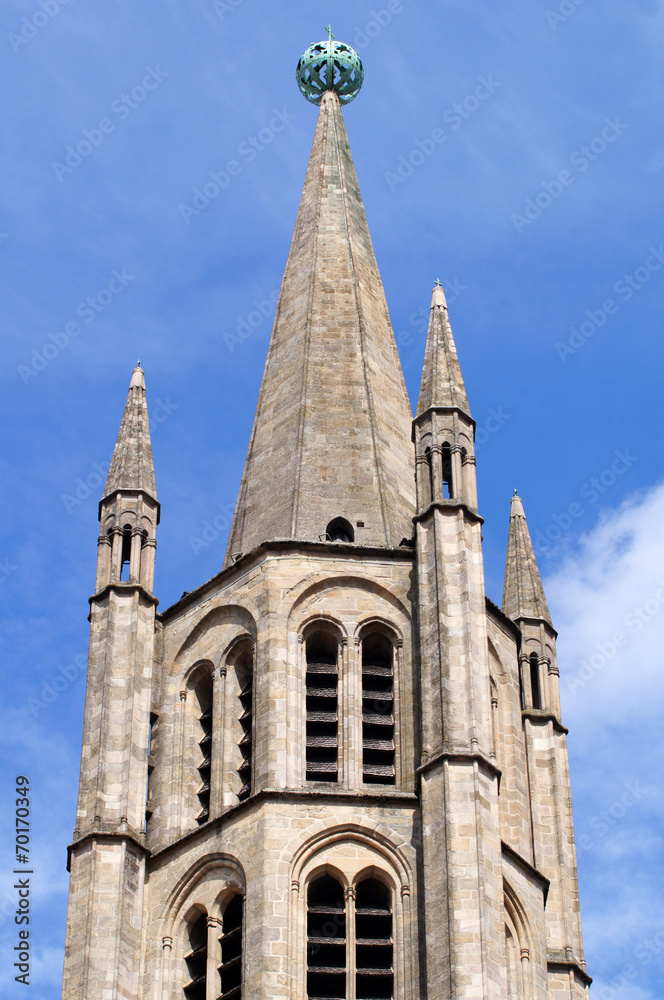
<point x="438" y="283"/>
<point x="516" y="493"/>
<point x="328" y="28"/>
<point x="138" y="363"/>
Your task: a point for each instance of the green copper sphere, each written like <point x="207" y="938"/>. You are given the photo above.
<point x="330" y="65"/>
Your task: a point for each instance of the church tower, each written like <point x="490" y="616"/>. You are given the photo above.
<point x="336" y="769"/>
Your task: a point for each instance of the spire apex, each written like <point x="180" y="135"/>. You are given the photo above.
<point x="523" y="594"/>
<point x="442" y="381"/>
<point x="132" y="466"/>
<point x="331" y="436"/>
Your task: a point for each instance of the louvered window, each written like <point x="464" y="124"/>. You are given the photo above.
<point x="245" y="678"/>
<point x="230" y="970"/>
<point x="326" y="940"/>
<point x="322" y="750"/>
<point x="377" y="710"/>
<point x="448" y="488"/>
<point x="374" y="947"/>
<point x="196" y="960"/>
<point x="204" y="696"/>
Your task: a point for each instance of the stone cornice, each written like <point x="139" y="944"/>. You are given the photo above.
<point x="331" y="794"/>
<point x="461" y="756"/>
<point x="564" y="965"/>
<point x="448" y="505"/>
<point x="108" y="836"/>
<point x="121" y="587"/>
<point x="279" y="545"/>
<point x="544" y="715"/>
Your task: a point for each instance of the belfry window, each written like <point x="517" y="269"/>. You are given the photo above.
<point x="126" y="553"/>
<point x="203" y="694"/>
<point x="377" y="710"/>
<point x="448" y="492"/>
<point x="340" y="530"/>
<point x="148" y="791"/>
<point x="230" y="970"/>
<point x="535" y="681"/>
<point x="196" y="960"/>
<point x="245" y="678"/>
<point x="374" y="946"/>
<point x="326" y="940"/>
<point x="322" y="683"/>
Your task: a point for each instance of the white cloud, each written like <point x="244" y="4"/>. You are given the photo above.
<point x="607" y="601"/>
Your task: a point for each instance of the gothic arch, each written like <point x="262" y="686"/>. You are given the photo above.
<point x="518" y="946"/>
<point x="353" y="854"/>
<point x="202" y="893"/>
<point x="317" y="585"/>
<point x="229" y="614"/>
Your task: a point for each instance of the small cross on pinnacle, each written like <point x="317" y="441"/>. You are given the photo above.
<point x="138" y="363"/>
<point x="516" y="493"/>
<point x="328" y="28"/>
<point x="438" y="283"/>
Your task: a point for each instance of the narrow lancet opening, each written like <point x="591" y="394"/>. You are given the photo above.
<point x="322" y="682"/>
<point x="326" y="939"/>
<point x="377" y="710"/>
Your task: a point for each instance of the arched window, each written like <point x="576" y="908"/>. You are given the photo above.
<point x="377" y="710"/>
<point x="196" y="960"/>
<point x="202" y="690"/>
<point x="244" y="668"/>
<point x="326" y="939"/>
<point x="374" y="945"/>
<point x="151" y="758"/>
<point x="429" y="457"/>
<point x="340" y="530"/>
<point x="448" y="491"/>
<point x="126" y="553"/>
<point x="230" y="970"/>
<point x="535" y="680"/>
<point x="322" y="683"/>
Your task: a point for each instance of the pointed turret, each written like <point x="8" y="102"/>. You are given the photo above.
<point x="129" y="510"/>
<point x="523" y="594"/>
<point x="442" y="381"/>
<point x="331" y="437"/>
<point x="443" y="429"/>
<point x="132" y="467"/>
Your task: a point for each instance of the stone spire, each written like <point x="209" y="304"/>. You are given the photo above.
<point x="132" y="467"/>
<point x="331" y="436"/>
<point x="523" y="594"/>
<point x="442" y="381"/>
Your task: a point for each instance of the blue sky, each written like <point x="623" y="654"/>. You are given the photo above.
<point x="541" y="210"/>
